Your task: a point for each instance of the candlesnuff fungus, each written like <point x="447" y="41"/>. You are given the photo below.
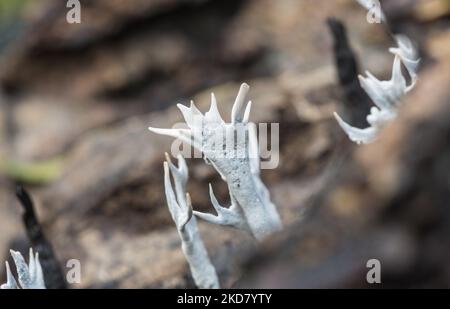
<point x="386" y="95"/>
<point x="54" y="276"/>
<point x="232" y="148"/>
<point x="373" y="6"/>
<point x="29" y="276"/>
<point x="236" y="160"/>
<point x="180" y="208"/>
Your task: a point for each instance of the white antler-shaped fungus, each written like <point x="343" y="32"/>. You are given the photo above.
<point x="373" y="6"/>
<point x="386" y="95"/>
<point x="180" y="208"/>
<point x="236" y="160"/>
<point x="29" y="276"/>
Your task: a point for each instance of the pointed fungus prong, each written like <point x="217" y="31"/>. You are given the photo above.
<point x="210" y="218"/>
<point x="166" y="155"/>
<point x="182" y="167"/>
<point x="357" y="135"/>
<point x="31" y="263"/>
<point x="181" y="134"/>
<point x="195" y="110"/>
<point x="214" y="201"/>
<point x="237" y="112"/>
<point x="213" y="115"/>
<point x="248" y="109"/>
<point x="11" y="282"/>
<point x="172" y="166"/>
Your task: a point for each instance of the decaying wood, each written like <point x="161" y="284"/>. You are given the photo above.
<point x="85" y="95"/>
<point x="390" y="203"/>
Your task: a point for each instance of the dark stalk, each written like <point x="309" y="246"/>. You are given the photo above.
<point x="53" y="275"/>
<point x="357" y="103"/>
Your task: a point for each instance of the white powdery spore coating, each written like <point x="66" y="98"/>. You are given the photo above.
<point x="237" y="163"/>
<point x="30" y="276"/>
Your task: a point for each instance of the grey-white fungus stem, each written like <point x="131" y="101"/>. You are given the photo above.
<point x="180" y="207"/>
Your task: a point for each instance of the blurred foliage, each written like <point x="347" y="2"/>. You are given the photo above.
<point x="11" y="9"/>
<point x="10" y="20"/>
<point x="32" y="172"/>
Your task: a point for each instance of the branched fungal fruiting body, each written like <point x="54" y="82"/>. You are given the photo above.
<point x="373" y="7"/>
<point x="409" y="56"/>
<point x="180" y="208"/>
<point x="232" y="148"/>
<point x="54" y="275"/>
<point x="386" y="95"/>
<point x="29" y="276"/>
